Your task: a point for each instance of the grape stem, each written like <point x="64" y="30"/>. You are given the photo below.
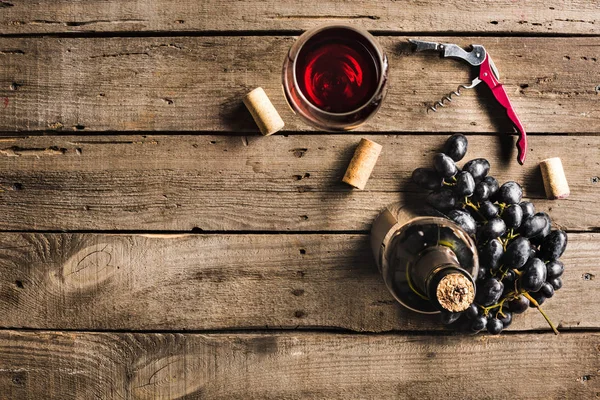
<point x="511" y="235"/>
<point x="503" y="271"/>
<point x="504" y="243"/>
<point x="518" y="274"/>
<point x="502" y="207"/>
<point x="468" y="203"/>
<point x="486" y="310"/>
<point x="535" y="303"/>
<point x="453" y="183"/>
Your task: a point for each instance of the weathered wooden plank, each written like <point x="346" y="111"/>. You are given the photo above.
<point x="187" y="282"/>
<point x="504" y="16"/>
<point x="218" y="183"/>
<point x="72" y="365"/>
<point x="196" y="83"/>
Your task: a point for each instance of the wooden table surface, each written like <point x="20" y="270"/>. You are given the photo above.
<point x="153" y="245"/>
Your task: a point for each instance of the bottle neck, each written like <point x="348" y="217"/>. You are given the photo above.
<point x="437" y="275"/>
<point x="431" y="261"/>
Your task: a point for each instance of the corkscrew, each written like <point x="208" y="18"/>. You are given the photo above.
<point x="448" y="98"/>
<point x="488" y="73"/>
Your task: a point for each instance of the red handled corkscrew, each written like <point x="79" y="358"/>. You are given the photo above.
<point x="488" y="73"/>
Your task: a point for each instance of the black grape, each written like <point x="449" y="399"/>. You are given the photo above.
<point x="556" y="283"/>
<point x="509" y="278"/>
<point x="449" y="317"/>
<point x="478" y="167"/>
<point x="533" y="252"/>
<point x="473" y="311"/>
<point x="490" y="291"/>
<point x="479" y="323"/>
<point x="553" y="245"/>
<point x="465" y="185"/>
<point x="481" y="274"/>
<point x="510" y="193"/>
<point x="554" y="269"/>
<point x="547" y="290"/>
<point x="494" y="326"/>
<point x="488" y="209"/>
<point x="533" y="226"/>
<point x="427" y="178"/>
<point x="492" y="229"/>
<point x="537" y="297"/>
<point x="482" y="192"/>
<point x="444" y="165"/>
<point x="506" y="319"/>
<point x="534" y="275"/>
<point x="456" y="146"/>
<point x="539" y="238"/>
<point x="492" y="184"/>
<point x="442" y="199"/>
<point x="490" y="255"/>
<point x="513" y="216"/>
<point x="509" y="286"/>
<point x="464" y="220"/>
<point x="518" y="305"/>
<point x="517" y="253"/>
<point x="528" y="209"/>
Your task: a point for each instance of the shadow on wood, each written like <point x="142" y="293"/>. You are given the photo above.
<point x="235" y="115"/>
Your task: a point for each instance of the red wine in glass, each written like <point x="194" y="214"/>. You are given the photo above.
<point x="337" y="72"/>
<point x="334" y="77"/>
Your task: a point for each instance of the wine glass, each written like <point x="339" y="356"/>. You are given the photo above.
<point x="335" y="76"/>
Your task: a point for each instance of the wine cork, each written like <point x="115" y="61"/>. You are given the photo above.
<point x="555" y="181"/>
<point x="265" y="115"/>
<point x="455" y="292"/>
<point x="362" y="163"/>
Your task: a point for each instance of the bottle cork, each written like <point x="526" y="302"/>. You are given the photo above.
<point x="555" y="181"/>
<point x="362" y="163"/>
<point x="455" y="292"/>
<point x="265" y="115"/>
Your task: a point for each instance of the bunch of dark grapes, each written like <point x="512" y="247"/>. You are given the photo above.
<point x="519" y="253"/>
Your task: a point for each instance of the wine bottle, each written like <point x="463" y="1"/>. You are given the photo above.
<point x="426" y="260"/>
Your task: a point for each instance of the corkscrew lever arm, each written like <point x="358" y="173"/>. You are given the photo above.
<point x="474" y="57"/>
<point x="488" y="73"/>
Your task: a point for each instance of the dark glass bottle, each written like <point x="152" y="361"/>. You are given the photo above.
<point x="427" y="261"/>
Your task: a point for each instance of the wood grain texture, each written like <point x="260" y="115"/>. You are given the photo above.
<point x="224" y="183"/>
<point x="197" y="83"/>
<point x="205" y="282"/>
<point x="71" y="365"/>
<point x="498" y="16"/>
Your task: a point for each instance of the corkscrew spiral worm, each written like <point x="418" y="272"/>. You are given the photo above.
<point x="447" y="98"/>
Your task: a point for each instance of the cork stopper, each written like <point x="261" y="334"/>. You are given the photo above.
<point x="455" y="292"/>
<point x="362" y="163"/>
<point x="265" y="115"/>
<point x="555" y="181"/>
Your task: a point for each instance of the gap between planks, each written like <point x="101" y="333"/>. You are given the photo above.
<point x="176" y="234"/>
<point x="498" y="18"/>
<point x="7" y="135"/>
<point x="449" y="332"/>
<point x="291" y="32"/>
